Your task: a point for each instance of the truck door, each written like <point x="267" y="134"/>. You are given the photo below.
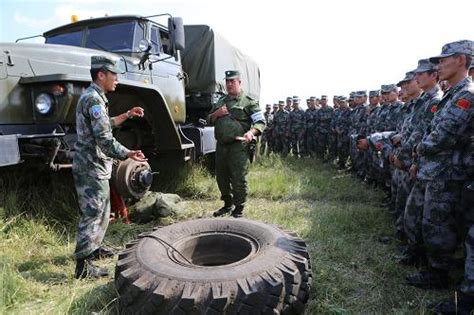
<point x="167" y="74"/>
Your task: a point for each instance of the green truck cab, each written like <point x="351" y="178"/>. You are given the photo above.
<point x="40" y="85"/>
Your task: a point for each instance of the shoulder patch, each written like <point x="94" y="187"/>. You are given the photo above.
<point x="463" y="104"/>
<point x="434" y="108"/>
<point x="96" y="111"/>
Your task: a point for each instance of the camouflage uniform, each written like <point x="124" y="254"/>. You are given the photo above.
<point x="418" y="124"/>
<point x="265" y="140"/>
<point x="92" y="168"/>
<point x="232" y="157"/>
<point x="343" y="135"/>
<point x="323" y="129"/>
<point x="310" y="116"/>
<point x="281" y="131"/>
<point x="297" y="131"/>
<point x="440" y="165"/>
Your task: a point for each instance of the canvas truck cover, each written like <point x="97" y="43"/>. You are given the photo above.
<point x="208" y="55"/>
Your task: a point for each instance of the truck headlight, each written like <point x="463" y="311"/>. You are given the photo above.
<point x="44" y="103"/>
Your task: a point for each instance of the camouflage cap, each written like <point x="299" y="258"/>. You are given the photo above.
<point x="342" y="98"/>
<point x="275" y="105"/>
<point x="352" y="95"/>
<point x="103" y="62"/>
<point x="410" y="75"/>
<point x="425" y="65"/>
<point x="232" y="74"/>
<point x="374" y="93"/>
<point x="450" y="49"/>
<point x="296" y="99"/>
<point x="387" y="88"/>
<point x="360" y="93"/>
<point x="312" y="98"/>
<point x="268" y="106"/>
<point x="289" y="98"/>
<point x="324" y="97"/>
<point x="281" y="102"/>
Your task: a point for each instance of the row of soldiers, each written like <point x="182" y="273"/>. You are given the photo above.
<point x="416" y="140"/>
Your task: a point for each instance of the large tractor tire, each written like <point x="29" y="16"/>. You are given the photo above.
<point x="214" y="266"/>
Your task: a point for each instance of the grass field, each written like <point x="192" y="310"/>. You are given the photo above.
<point x="338" y="216"/>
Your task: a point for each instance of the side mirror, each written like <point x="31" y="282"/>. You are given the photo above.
<point x="176" y="29"/>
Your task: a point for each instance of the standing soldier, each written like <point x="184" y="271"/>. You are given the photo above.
<point x="95" y="150"/>
<point x="412" y="133"/>
<point x="310" y="116"/>
<point x="238" y="120"/>
<point x="323" y="127"/>
<point x="297" y="128"/>
<point x="289" y="104"/>
<point x="266" y="135"/>
<point x="281" y="132"/>
<point x="440" y="166"/>
<point x="343" y="132"/>
<point x="333" y="133"/>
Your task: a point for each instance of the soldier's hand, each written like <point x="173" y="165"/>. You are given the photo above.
<point x="396" y="139"/>
<point x="222" y="111"/>
<point x="249" y="136"/>
<point x="413" y="170"/>
<point x="397" y="163"/>
<point x="136" y="112"/>
<point x="137" y="155"/>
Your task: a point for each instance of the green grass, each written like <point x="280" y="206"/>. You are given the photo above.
<point x="337" y="215"/>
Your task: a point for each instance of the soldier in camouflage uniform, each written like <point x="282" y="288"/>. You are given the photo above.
<point x="310" y="116"/>
<point x="323" y="127"/>
<point x="440" y="164"/>
<point x="373" y="168"/>
<point x="92" y="165"/>
<point x="289" y="104"/>
<point x="281" y="131"/>
<point x="359" y="127"/>
<point x="343" y="132"/>
<point x="238" y="120"/>
<point x="266" y="135"/>
<point x="297" y="128"/>
<point x="400" y="174"/>
<point x="411" y="135"/>
<point x="333" y="133"/>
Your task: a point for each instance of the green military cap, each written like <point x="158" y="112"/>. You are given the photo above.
<point x="374" y="93"/>
<point x="324" y="97"/>
<point x="450" y="49"/>
<point x="352" y="95"/>
<point x="275" y="105"/>
<point x="268" y="106"/>
<point x="296" y="99"/>
<point x="281" y="102"/>
<point x="360" y="93"/>
<point x="103" y="62"/>
<point x="289" y="98"/>
<point x="313" y="98"/>
<point x="425" y="65"/>
<point x="342" y="98"/>
<point x="232" y="74"/>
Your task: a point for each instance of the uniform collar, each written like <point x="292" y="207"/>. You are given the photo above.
<point x="100" y="91"/>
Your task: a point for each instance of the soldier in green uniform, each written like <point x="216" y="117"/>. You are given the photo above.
<point x="95" y="150"/>
<point x="266" y="135"/>
<point x="238" y="120"/>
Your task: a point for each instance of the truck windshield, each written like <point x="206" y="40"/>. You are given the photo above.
<point x="119" y="37"/>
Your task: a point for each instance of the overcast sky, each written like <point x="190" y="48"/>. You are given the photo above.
<point x="303" y="48"/>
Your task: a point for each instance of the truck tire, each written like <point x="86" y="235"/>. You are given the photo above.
<point x="214" y="266"/>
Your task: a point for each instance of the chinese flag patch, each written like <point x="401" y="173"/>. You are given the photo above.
<point x="463" y="104"/>
<point x="434" y="108"/>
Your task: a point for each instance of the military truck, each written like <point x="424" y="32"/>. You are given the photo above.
<point x="40" y="85"/>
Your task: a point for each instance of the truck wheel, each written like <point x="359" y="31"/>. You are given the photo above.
<point x="214" y="266"/>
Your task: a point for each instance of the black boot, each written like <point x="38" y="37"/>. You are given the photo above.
<point x="463" y="306"/>
<point x="429" y="279"/>
<point x="86" y="269"/>
<point x="228" y="207"/>
<point x="101" y="253"/>
<point x="238" y="212"/>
